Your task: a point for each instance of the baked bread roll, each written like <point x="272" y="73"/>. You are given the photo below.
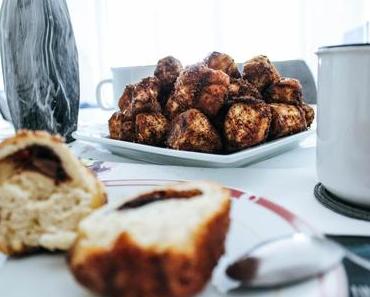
<point x="165" y="242"/>
<point x="44" y="193"/>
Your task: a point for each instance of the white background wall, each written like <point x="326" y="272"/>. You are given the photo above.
<point x="138" y="32"/>
<point x="123" y="33"/>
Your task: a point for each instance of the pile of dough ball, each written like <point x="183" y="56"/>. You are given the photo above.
<point x="211" y="107"/>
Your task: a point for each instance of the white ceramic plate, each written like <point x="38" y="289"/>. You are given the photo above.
<point x="252" y="219"/>
<point x="157" y="155"/>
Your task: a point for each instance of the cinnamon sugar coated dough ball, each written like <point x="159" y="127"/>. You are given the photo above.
<point x="287" y="119"/>
<point x="192" y="131"/>
<point x="120" y="128"/>
<point x="141" y="97"/>
<point x="286" y="90"/>
<point x="224" y="62"/>
<point x="167" y="71"/>
<point x="151" y="128"/>
<point x="219" y="121"/>
<point x="198" y="87"/>
<point x="247" y="124"/>
<point x="45" y="192"/>
<point x="241" y="88"/>
<point x="161" y="243"/>
<point x="213" y="94"/>
<point x="309" y="114"/>
<point x="186" y="90"/>
<point x="125" y="101"/>
<point x="145" y="96"/>
<point x="260" y="72"/>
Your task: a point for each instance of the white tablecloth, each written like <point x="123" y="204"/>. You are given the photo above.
<point x="287" y="179"/>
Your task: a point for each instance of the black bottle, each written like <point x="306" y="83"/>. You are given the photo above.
<point x="40" y="65"/>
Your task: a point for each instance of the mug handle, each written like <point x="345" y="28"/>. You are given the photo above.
<point x="4" y="108"/>
<point x="102" y="104"/>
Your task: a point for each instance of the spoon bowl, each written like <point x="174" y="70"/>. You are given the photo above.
<point x="285" y="261"/>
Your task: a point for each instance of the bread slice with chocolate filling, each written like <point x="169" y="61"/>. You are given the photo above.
<point x="165" y="242"/>
<point x="44" y="193"/>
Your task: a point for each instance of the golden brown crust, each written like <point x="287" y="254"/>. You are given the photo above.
<point x="286" y="120"/>
<point x="192" y="131"/>
<point x="127" y="269"/>
<point x="198" y="87"/>
<point x="21" y="251"/>
<point x="287" y="90"/>
<point x="309" y="114"/>
<point x="27" y="134"/>
<point x="247" y="123"/>
<point x="260" y="72"/>
<point x="220" y="61"/>
<point x="151" y="128"/>
<point x="121" y="128"/>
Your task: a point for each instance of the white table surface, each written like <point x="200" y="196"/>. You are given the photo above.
<point x="287" y="179"/>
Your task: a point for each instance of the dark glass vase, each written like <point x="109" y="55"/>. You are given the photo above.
<point x="40" y="65"/>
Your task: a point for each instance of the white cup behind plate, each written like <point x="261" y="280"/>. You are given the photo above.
<point x="343" y="134"/>
<point x="121" y="77"/>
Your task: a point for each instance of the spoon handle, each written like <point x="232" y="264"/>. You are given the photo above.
<point x="353" y="257"/>
<point x="358" y="260"/>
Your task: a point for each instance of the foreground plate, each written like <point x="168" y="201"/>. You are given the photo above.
<point x="157" y="155"/>
<point x="252" y="219"/>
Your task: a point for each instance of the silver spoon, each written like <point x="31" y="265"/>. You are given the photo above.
<point x="289" y="260"/>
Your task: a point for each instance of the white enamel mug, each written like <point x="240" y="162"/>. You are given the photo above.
<point x="122" y="76"/>
<point x="343" y="135"/>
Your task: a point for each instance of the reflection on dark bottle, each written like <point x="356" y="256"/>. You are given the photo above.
<point x="40" y="65"/>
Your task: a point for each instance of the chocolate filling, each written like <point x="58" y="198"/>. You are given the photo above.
<point x="40" y="159"/>
<point x="159" y="196"/>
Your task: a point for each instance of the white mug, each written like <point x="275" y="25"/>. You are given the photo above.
<point x="343" y="140"/>
<point x="122" y="76"/>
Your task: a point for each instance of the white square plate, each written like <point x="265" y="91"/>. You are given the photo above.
<point x="158" y="155"/>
